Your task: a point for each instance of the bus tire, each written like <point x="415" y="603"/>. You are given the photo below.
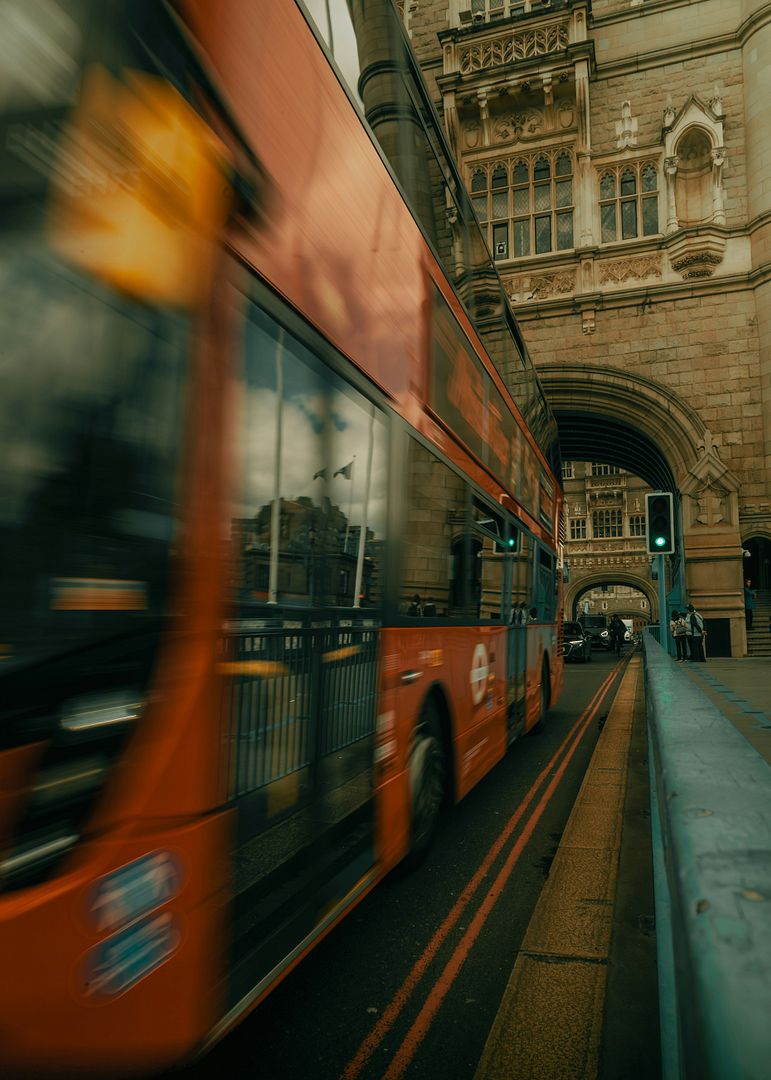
<point x="427" y="772"/>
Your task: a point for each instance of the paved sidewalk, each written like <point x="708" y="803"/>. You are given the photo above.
<point x="550" y="1022"/>
<point x="741" y="689"/>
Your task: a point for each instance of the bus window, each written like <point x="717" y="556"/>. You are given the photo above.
<point x="438" y="549"/>
<point x="308" y="530"/>
<point x="545" y="586"/>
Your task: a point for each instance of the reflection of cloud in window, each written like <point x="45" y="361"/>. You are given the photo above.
<point x="309" y="445"/>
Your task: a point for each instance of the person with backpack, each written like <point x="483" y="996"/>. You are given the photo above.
<point x="617" y="632"/>
<point x="679" y="629"/>
<point x="695" y="624"/>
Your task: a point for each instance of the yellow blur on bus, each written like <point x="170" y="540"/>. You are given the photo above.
<point x="141" y="189"/>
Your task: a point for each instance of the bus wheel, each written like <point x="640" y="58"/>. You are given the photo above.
<point x="428" y="782"/>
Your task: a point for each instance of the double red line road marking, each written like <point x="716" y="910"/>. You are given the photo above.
<point x="444" y="982"/>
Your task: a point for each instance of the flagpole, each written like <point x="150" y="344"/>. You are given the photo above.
<point x="365" y="509"/>
<point x="275" y="517"/>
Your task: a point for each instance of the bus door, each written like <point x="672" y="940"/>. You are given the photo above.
<point x="301" y="654"/>
<point x="520" y="592"/>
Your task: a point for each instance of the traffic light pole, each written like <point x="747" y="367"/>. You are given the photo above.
<point x="663" y="620"/>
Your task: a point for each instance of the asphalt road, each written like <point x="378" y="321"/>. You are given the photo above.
<point x="410" y="982"/>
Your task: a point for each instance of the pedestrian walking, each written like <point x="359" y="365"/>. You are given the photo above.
<point x="695" y="624"/>
<point x="749" y="603"/>
<point x="679" y="629"/>
<point x="617" y="632"/>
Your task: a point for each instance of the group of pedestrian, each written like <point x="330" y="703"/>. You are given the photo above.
<point x="687" y="628"/>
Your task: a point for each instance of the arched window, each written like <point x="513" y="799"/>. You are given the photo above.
<point x="629" y="197"/>
<point x="479" y="194"/>
<point x="529" y="202"/>
<point x="606" y="523"/>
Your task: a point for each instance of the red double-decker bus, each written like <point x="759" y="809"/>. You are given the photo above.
<point x="280" y="543"/>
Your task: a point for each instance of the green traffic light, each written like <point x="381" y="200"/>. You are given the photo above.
<point x="660" y="541"/>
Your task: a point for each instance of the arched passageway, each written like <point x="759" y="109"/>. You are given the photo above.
<point x="639" y="425"/>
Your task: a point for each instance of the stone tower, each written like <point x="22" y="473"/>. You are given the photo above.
<point x="618" y="154"/>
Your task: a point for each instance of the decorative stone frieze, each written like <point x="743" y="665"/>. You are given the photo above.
<point x="616" y="271"/>
<point x="540" y="286"/>
<point x="508" y="48"/>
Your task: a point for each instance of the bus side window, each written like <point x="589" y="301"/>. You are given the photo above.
<point x="308" y="529"/>
<point x="545" y="585"/>
<point x="436" y="551"/>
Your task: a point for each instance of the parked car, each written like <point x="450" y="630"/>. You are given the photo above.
<point x="576" y="644"/>
<point x="596" y="626"/>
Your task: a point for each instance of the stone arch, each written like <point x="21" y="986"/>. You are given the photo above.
<point x="613" y="577"/>
<point x="650" y="430"/>
<point x="665" y="421"/>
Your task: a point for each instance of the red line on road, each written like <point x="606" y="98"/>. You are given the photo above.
<point x="393" y="1009"/>
<point x="439" y="991"/>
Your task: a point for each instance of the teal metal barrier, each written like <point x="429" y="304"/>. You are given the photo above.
<point x="711" y="800"/>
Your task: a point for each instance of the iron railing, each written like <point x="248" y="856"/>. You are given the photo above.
<point x="295" y="695"/>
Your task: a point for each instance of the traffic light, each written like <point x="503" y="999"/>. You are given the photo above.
<point x="659" y="523"/>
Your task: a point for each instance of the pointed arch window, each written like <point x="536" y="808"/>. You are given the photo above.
<point x="525" y="205"/>
<point x="629" y="201"/>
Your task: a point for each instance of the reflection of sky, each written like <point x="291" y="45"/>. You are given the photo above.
<point x="325" y="425"/>
<point x="333" y="22"/>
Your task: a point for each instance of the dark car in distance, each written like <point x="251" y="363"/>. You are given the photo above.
<point x="596" y="627"/>
<point x="576" y="643"/>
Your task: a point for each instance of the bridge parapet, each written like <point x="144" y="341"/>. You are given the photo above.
<point x="711" y="825"/>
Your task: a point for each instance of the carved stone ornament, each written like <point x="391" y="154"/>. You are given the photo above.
<point x="522" y="125"/>
<point x="626" y="128"/>
<point x="566" y="112"/>
<point x="710" y="491"/>
<point x="616" y="271"/>
<point x="472" y="134"/>
<point x="711" y="500"/>
<point x="698" y="263"/>
<point x="509" y="48"/>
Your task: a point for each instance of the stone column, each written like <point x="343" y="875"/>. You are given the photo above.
<point x="718" y="160"/>
<point x="670" y="172"/>
<point x="756" y="61"/>
<point x="585" y="196"/>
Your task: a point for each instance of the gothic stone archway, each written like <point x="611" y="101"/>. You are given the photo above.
<point x="593" y="580"/>
<point x="666" y="439"/>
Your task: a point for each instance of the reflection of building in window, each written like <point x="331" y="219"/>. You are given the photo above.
<point x="525" y="204"/>
<point x="629" y="201"/>
<point x="315" y="564"/>
<point x="439" y="565"/>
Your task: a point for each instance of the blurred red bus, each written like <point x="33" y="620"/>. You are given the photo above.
<point x="281" y="552"/>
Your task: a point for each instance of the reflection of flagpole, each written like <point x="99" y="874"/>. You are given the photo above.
<point x="275" y="516"/>
<point x="365" y="509"/>
<point x="350" y="506"/>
